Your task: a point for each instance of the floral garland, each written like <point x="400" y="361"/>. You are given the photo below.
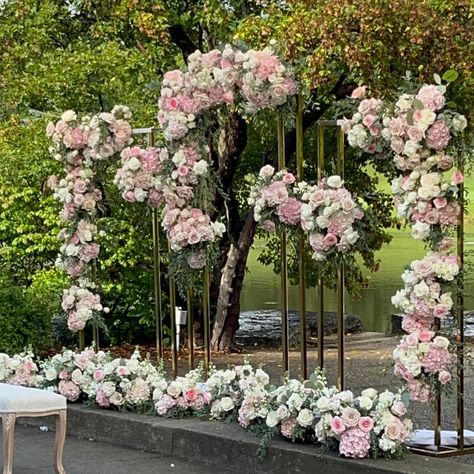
<point x="327" y="211"/>
<point x="81" y="145"/>
<point x="423" y="358"/>
<point x="310" y="411"/>
<point x="421" y="135"/>
<point x="418" y="132"/>
<point x="183" y="179"/>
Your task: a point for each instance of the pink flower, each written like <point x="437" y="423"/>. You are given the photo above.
<point x="398" y="408"/>
<point x="366" y="424"/>
<point x="276" y="193"/>
<point x="444" y="377"/>
<point x="69" y="390"/>
<point x="359" y="92"/>
<point x="99" y="375"/>
<point x="440" y="311"/>
<point x="440" y="202"/>
<point x="102" y="399"/>
<point x="191" y="395"/>
<point x="183" y="170"/>
<point x="445" y="162"/>
<point x="425" y="336"/>
<point x="289" y="211"/>
<point x="288" y="178"/>
<point x="287" y="427"/>
<point x="63" y="375"/>
<point x="438" y="135"/>
<point x="419" y="392"/>
<point x="355" y="443"/>
<point x="330" y="240"/>
<point x="431" y="96"/>
<point x="268" y="226"/>
<point x="350" y="416"/>
<point x="369" y="120"/>
<point x="458" y="177"/>
<point x="337" y="425"/>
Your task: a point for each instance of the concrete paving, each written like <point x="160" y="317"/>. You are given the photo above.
<point x="34" y="455"/>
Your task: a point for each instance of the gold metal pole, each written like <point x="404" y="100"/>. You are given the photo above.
<point x="285" y="330"/>
<point x="174" y="348"/>
<point x="207" y="319"/>
<point x="460" y="319"/>
<point x="437" y="405"/>
<point x="190" y="332"/>
<point x="301" y="254"/>
<point x="95" y="327"/>
<point x="320" y="324"/>
<point x="340" y="276"/>
<point x="82" y="339"/>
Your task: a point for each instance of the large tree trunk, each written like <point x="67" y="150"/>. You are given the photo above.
<point x="232" y="277"/>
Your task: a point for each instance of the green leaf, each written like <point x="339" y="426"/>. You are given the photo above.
<point x="410" y="118"/>
<point x="450" y="76"/>
<point x="418" y="104"/>
<point x="437" y="78"/>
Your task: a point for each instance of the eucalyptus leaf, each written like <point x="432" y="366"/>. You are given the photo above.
<point x="450" y="76"/>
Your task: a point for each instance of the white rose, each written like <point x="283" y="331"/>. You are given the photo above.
<point x="227" y="403"/>
<point x="420" y="230"/>
<point x="387" y="445"/>
<point x="323" y="404"/>
<point x="441" y="342"/>
<point x="322" y="221"/>
<point x="421" y="289"/>
<point x="116" y="399"/>
<point x="69" y="116"/>
<point x="411" y="148"/>
<point x="386" y="397"/>
<point x="200" y="167"/>
<point x="272" y="419"/>
<point x="295" y="401"/>
<point x="459" y="122"/>
<point x="369" y="392"/>
<point x="174" y="389"/>
<point x="267" y="171"/>
<point x="282" y="412"/>
<point x="334" y="181"/>
<point x="305" y="417"/>
<point x="50" y="374"/>
<point x="133" y="163"/>
<point x="365" y="403"/>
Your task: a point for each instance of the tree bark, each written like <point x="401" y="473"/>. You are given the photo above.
<point x="232" y="278"/>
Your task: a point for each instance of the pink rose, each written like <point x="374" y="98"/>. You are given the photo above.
<point x="445" y="162"/>
<point x="458" y="177"/>
<point x="359" y="92"/>
<point x="99" y="375"/>
<point x="440" y="311"/>
<point x="337" y="425"/>
<point x="440" y="202"/>
<point x="288" y="178"/>
<point x="350" y="416"/>
<point x="444" y="377"/>
<point x="432" y="97"/>
<point x="191" y="395"/>
<point x="398" y="408"/>
<point x="330" y="240"/>
<point x="183" y="170"/>
<point x="425" y="336"/>
<point x="366" y="424"/>
<point x="63" y="375"/>
<point x="369" y="120"/>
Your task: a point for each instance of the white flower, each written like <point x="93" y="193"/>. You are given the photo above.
<point x="282" y="412"/>
<point x="227" y="403"/>
<point x="459" y="122"/>
<point x="272" y="419"/>
<point x="369" y="392"/>
<point x="305" y="417"/>
<point x="133" y="163"/>
<point x="323" y="404"/>
<point x="218" y="228"/>
<point x="420" y="230"/>
<point x="50" y="374"/>
<point x="386" y="397"/>
<point x="365" y="403"/>
<point x="267" y="171"/>
<point x="174" y="389"/>
<point x="200" y="167"/>
<point x="387" y="445"/>
<point x="69" y="116"/>
<point x="295" y="401"/>
<point x="440" y="342"/>
<point x="334" y="181"/>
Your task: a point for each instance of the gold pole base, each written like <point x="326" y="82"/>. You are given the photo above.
<point x="442" y="451"/>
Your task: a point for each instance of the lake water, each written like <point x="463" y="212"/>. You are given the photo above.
<point x="262" y="287"/>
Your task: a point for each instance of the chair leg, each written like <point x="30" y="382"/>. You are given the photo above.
<point x="8" y="424"/>
<point x="59" y="442"/>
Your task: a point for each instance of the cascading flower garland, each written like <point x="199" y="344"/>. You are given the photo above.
<point x="182" y="178"/>
<point x="81" y="145"/>
<point x="421" y="135"/>
<point x="327" y="211"/>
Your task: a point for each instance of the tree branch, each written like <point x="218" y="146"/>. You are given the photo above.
<point x="182" y="40"/>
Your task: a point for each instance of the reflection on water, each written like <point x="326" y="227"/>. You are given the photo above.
<point x="262" y="287"/>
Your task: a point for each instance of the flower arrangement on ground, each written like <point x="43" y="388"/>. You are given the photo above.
<point x="20" y="369"/>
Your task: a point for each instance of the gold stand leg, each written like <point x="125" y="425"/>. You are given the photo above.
<point x="8" y="423"/>
<point x="59" y="442"/>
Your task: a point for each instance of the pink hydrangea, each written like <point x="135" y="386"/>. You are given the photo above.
<point x="354" y="443"/>
<point x="438" y="135"/>
<point x="69" y="389"/>
<point x="289" y="211"/>
<point x="432" y="97"/>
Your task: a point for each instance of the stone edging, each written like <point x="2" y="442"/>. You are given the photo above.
<point x="220" y="444"/>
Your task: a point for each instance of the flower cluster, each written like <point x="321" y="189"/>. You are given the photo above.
<point x="19" y="369"/>
<point x="138" y="178"/>
<point x="80" y="304"/>
<point x="248" y="81"/>
<point x="130" y="383"/>
<point x="70" y="373"/>
<point x="327" y="211"/>
<point x="418" y="131"/>
<point x="184" y="396"/>
<point x="81" y="144"/>
<point x="366" y="425"/>
<point x="330" y="215"/>
<point x="275" y="199"/>
<point x="253" y="80"/>
<point x="422" y="358"/>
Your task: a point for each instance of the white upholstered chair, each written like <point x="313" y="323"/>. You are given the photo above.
<point x="18" y="401"/>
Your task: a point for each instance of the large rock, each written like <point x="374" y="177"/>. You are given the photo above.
<point x="263" y="327"/>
